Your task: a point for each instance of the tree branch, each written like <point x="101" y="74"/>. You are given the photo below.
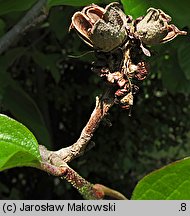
<point x="84" y="142"/>
<point x="55" y="162"/>
<point x="102" y="107"/>
<point x="29" y="19"/>
<point x="57" y="167"/>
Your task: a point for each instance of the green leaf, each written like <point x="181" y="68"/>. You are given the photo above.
<point x="171" y="182"/>
<point x="76" y="2"/>
<point x="10" y="56"/>
<point x="184" y="59"/>
<point x="2" y="27"/>
<point x="178" y="10"/>
<point x="18" y="145"/>
<point x="15" y="5"/>
<point x="48" y="62"/>
<point x="23" y="107"/>
<point x="136" y="8"/>
<point x="18" y="102"/>
<point x="60" y="21"/>
<point x="173" y="77"/>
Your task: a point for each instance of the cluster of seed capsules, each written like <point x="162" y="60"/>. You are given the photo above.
<point x="120" y="44"/>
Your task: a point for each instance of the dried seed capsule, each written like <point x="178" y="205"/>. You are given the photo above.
<point x="121" y="92"/>
<point x="127" y="99"/>
<point x="103" y="29"/>
<point x="126" y="107"/>
<point x="110" y="78"/>
<point x="154" y="28"/>
<point x="142" y="70"/>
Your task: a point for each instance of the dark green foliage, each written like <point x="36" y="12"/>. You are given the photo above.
<point x="18" y="145"/>
<point x="56" y="95"/>
<point x="168" y="183"/>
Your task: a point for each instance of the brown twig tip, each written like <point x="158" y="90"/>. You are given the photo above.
<point x="101" y="191"/>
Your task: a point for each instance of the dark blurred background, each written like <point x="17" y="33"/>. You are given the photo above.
<point x="44" y="85"/>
